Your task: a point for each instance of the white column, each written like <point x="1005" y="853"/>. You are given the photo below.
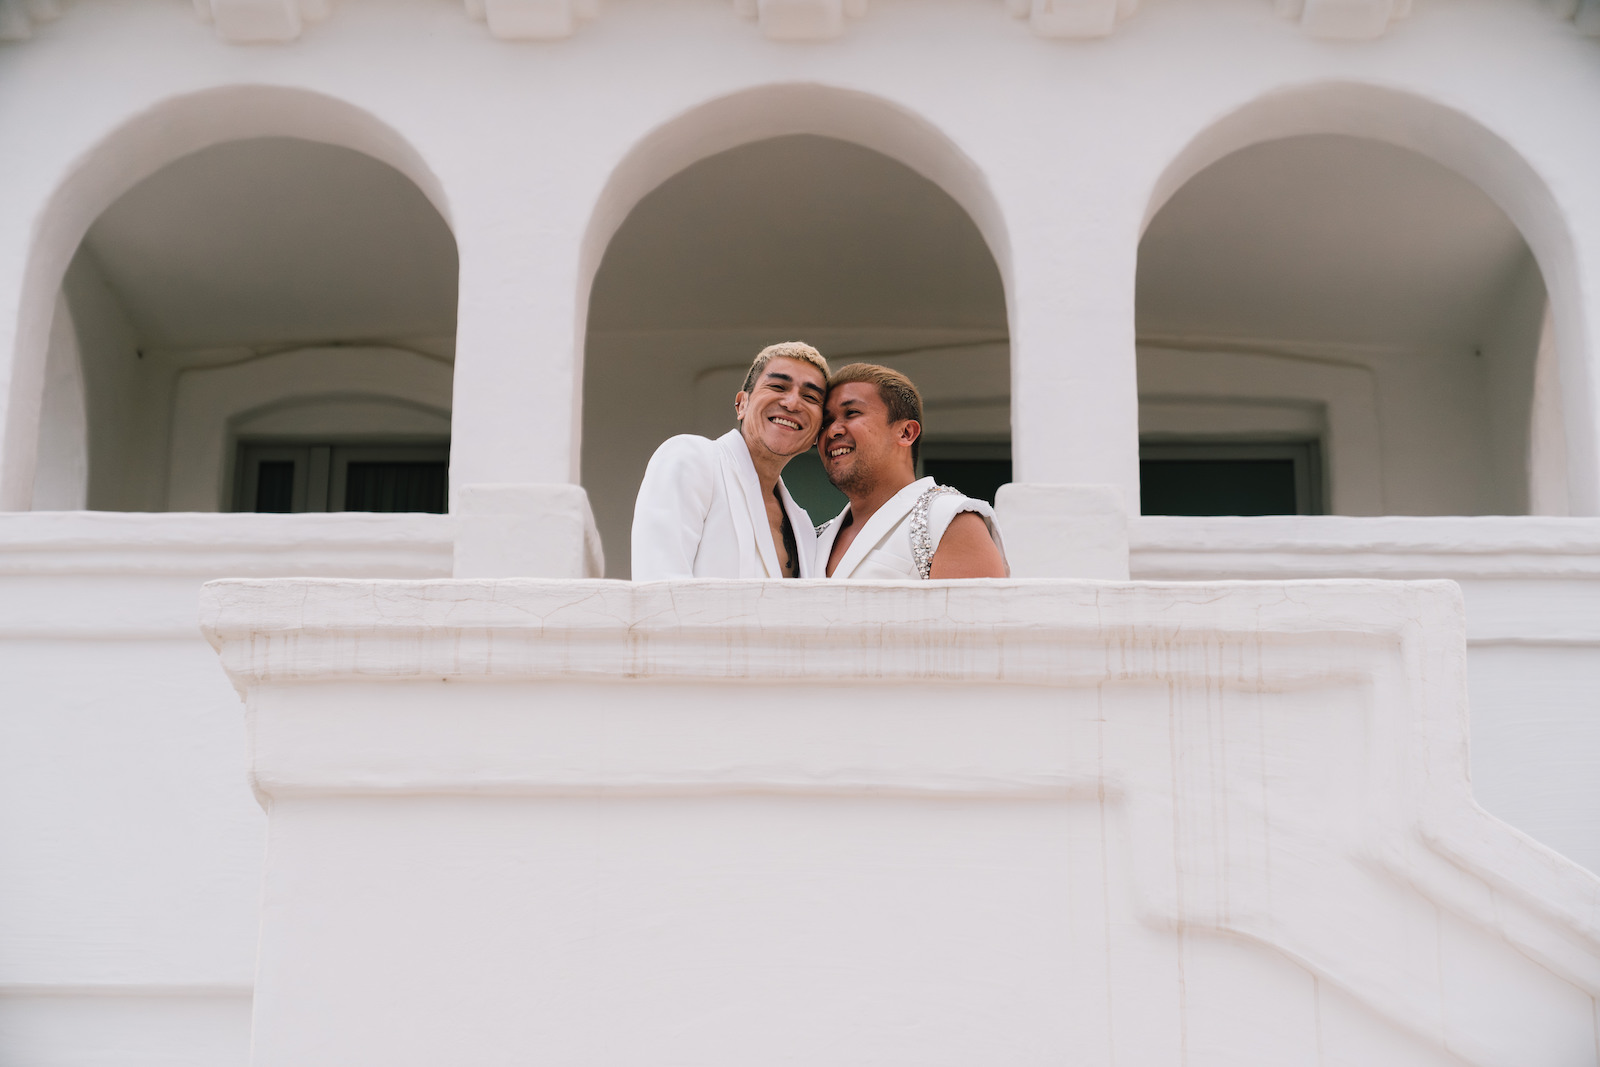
<point x="1074" y="389"/>
<point x="516" y="417"/>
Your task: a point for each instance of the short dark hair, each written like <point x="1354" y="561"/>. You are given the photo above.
<point x="896" y="391"/>
<point x="784" y="350"/>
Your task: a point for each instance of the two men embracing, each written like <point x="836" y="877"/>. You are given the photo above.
<point x="719" y="509"/>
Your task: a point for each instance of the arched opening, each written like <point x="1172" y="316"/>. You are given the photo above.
<point x="803" y="237"/>
<point x="1343" y="311"/>
<point x="264" y="324"/>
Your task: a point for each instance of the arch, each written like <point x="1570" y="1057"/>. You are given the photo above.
<point x="1464" y="145"/>
<point x="760" y="114"/>
<point x="144" y="144"/>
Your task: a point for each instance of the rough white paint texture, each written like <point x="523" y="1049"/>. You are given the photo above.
<point x="1064" y="531"/>
<point x="1046" y="822"/>
<point x="533" y="531"/>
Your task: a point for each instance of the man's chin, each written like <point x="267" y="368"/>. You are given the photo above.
<point x="845" y="480"/>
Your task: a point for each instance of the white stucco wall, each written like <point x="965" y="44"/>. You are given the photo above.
<point x="1003" y="153"/>
<point x="1048" y="821"/>
<point x="128" y="930"/>
<point x="61" y="478"/>
<point x="132" y="845"/>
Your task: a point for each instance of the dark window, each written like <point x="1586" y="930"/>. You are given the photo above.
<point x="356" y="476"/>
<point x="275" y="485"/>
<point x="1247" y="478"/>
<point x="377" y="486"/>
<point x="977" y="468"/>
<point x="977" y="478"/>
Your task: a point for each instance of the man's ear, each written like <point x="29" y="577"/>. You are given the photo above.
<point x="739" y="400"/>
<point x="910" y="430"/>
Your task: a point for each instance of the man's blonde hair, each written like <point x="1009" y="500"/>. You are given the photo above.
<point x="896" y="391"/>
<point x="798" y="350"/>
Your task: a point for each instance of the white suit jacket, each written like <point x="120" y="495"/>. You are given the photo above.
<point x="699" y="514"/>
<point x="882" y="548"/>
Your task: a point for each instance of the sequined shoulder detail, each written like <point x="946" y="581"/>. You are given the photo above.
<point x="922" y="546"/>
<point x="818" y="529"/>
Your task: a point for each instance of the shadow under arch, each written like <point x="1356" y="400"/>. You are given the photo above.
<point x="144" y="144"/>
<point x="766" y="112"/>
<point x="1463" y="144"/>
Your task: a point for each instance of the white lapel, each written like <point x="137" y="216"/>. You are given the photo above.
<point x="825" y="540"/>
<point x="882" y="522"/>
<point x="805" y="535"/>
<point x="757" y="556"/>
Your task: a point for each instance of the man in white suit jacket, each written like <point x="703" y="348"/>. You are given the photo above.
<point x="719" y="509"/>
<point x="896" y="526"/>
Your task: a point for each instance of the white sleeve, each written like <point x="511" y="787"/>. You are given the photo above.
<point x="669" y="516"/>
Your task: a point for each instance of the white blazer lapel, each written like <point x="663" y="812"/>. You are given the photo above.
<point x="758" y="558"/>
<point x="883" y="520"/>
<point x="824" y="545"/>
<point x="805" y="535"/>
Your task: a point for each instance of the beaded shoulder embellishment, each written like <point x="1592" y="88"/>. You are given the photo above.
<point x="922" y="546"/>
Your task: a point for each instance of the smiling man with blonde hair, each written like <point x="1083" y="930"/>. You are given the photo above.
<point x="719" y="509"/>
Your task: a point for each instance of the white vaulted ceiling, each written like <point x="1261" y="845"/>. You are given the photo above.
<point x="797" y="231"/>
<point x="278" y="240"/>
<point x="1328" y="239"/>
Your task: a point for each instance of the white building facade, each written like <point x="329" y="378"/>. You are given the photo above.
<point x="267" y="267"/>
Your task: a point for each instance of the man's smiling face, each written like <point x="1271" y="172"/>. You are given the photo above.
<point x="783" y="409"/>
<point x="859" y="444"/>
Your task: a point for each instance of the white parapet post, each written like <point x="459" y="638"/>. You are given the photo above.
<point x="1024" y="822"/>
<point x="1064" y="531"/>
<point x="526" y="531"/>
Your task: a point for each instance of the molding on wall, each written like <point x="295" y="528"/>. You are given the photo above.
<point x="281" y="21"/>
<point x="1165" y="548"/>
<point x="1073" y="19"/>
<point x="1344" y="20"/>
<point x="206" y="545"/>
<point x="279" y="641"/>
<point x="140" y="990"/>
<point x="261" y="21"/>
<point x="532" y="20"/>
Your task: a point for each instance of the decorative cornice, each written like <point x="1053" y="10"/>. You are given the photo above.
<point x="801" y="20"/>
<point x="532" y="20"/>
<point x="1344" y="20"/>
<point x="280" y="21"/>
<point x="1072" y="18"/>
<point x="261" y="21"/>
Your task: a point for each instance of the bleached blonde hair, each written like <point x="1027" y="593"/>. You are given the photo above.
<point x="798" y="350"/>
